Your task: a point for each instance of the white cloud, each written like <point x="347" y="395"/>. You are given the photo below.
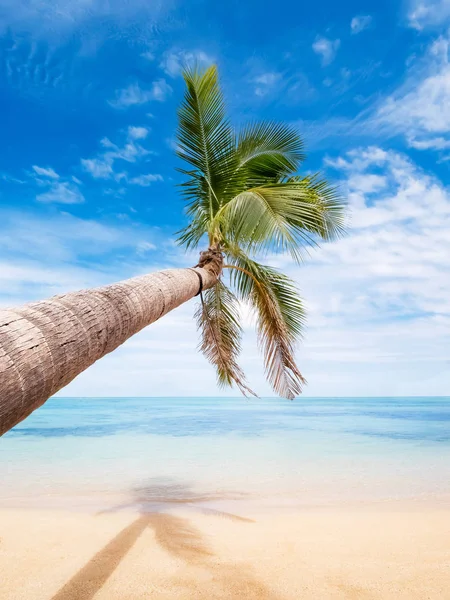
<point x="360" y="23"/>
<point x="61" y="192"/>
<point x="160" y="90"/>
<point x="41" y="255"/>
<point x="269" y="78"/>
<point x="379" y="317"/>
<point x="438" y="143"/>
<point x="402" y="214"/>
<point x="149" y="55"/>
<point x="99" y="168"/>
<point x="137" y="133"/>
<point x="45" y="172"/>
<point x="174" y="61"/>
<point x="326" y="49"/>
<point x="146" y="180"/>
<point x="265" y="82"/>
<point x="55" y="189"/>
<point x="428" y="13"/>
<point x="144" y="247"/>
<point x="102" y="166"/>
<point x="368" y="183"/>
<point x="11" y="179"/>
<point x="420" y="109"/>
<point x="132" y="95"/>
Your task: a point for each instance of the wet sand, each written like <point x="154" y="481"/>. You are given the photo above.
<point x="369" y="553"/>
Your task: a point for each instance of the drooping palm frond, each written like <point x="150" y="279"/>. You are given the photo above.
<point x="221" y="332"/>
<point x="283" y="217"/>
<point x="280" y="319"/>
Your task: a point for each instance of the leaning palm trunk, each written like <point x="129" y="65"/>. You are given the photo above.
<point x="45" y="345"/>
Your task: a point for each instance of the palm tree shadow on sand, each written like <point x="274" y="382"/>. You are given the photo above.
<point x="176" y="536"/>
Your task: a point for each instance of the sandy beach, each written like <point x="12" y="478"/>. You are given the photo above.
<point x="201" y="499"/>
<point x="371" y="552"/>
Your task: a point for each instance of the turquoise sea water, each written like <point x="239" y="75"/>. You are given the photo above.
<point x="85" y="453"/>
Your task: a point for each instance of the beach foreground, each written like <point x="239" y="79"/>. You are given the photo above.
<point x="371" y="552"/>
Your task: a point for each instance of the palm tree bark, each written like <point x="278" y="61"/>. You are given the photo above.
<point x="45" y="345"/>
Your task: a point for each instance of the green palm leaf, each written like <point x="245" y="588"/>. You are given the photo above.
<point x="283" y="217"/>
<point x="280" y="319"/>
<point x="218" y="321"/>
<point x="269" y="150"/>
<point x="205" y="139"/>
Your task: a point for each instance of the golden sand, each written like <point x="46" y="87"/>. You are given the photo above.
<point x="369" y="554"/>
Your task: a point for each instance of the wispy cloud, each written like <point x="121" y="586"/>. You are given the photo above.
<point x="403" y="214"/>
<point x="33" y="66"/>
<point x="144" y="247"/>
<point x="57" y="190"/>
<point x="326" y="49"/>
<point x="146" y="180"/>
<point x="133" y="95"/>
<point x="428" y="13"/>
<point x="433" y="143"/>
<point x="377" y="296"/>
<point x="11" y="179"/>
<point x="47" y="19"/>
<point x="420" y="108"/>
<point x="102" y="166"/>
<point x="45" y="172"/>
<point x="137" y="133"/>
<point x="360" y="22"/>
<point x="99" y="168"/>
<point x="41" y="254"/>
<point x="54" y="188"/>
<point x="265" y="82"/>
<point x="174" y="61"/>
<point x="61" y="192"/>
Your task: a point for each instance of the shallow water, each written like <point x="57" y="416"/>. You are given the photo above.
<point x="104" y="453"/>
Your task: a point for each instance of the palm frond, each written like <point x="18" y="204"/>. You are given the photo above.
<point x="263" y="153"/>
<point x="205" y="138"/>
<point x="218" y="320"/>
<point x="280" y="319"/>
<point x="330" y="205"/>
<point x="283" y="217"/>
<point x="268" y="150"/>
<point x="190" y="236"/>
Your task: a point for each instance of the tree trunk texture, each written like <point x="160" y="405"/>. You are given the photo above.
<point x="45" y="345"/>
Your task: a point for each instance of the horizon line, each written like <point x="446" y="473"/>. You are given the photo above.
<point x="252" y="399"/>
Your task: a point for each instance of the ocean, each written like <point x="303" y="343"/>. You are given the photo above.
<point x="145" y="453"/>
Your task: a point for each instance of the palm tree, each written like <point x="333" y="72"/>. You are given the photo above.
<point x="244" y="200"/>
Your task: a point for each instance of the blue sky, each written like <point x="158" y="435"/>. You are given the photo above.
<point x="89" y="91"/>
